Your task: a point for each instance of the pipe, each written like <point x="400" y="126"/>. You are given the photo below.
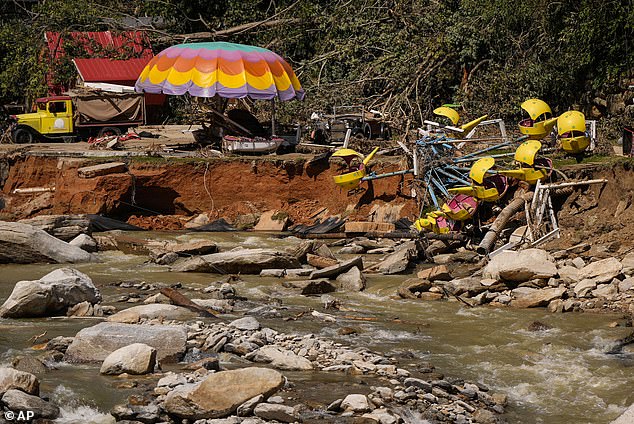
<point x="500" y="222"/>
<point x="388" y="174"/>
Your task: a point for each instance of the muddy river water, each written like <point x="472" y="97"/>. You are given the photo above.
<point x="560" y="375"/>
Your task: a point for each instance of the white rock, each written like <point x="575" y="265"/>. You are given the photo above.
<point x="352" y="280"/>
<point x="584" y="287"/>
<point x="137" y="358"/>
<point x="355" y="403"/>
<point x="84" y="242"/>
<point x="280" y="358"/>
<point x="521" y="266"/>
<point x="51" y="295"/>
<point x="626" y="285"/>
<point x="602" y="271"/>
<point x="246" y="324"/>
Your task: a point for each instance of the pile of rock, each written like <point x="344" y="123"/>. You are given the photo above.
<point x="246" y="395"/>
<point x="534" y="278"/>
<point x="19" y="391"/>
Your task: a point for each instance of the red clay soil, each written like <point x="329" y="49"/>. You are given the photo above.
<point x="219" y="187"/>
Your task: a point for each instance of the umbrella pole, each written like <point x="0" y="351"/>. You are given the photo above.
<point x="272" y="117"/>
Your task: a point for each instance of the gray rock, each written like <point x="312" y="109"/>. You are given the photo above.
<point x="355" y="403"/>
<point x="247" y="407"/>
<point x="311" y="287"/>
<point x="29" y="364"/>
<point x="352" y="280"/>
<point x="416" y="382"/>
<point x="353" y="249"/>
<point x="602" y="271"/>
<point x="280" y="358"/>
<point x="59" y="343"/>
<point x="584" y="287"/>
<point x="20" y="380"/>
<point x="532" y="298"/>
<point x="84" y="242"/>
<point x="607" y="291"/>
<point x="578" y="262"/>
<point x="16" y="400"/>
<point x="398" y="261"/>
<point x="243" y="261"/>
<point x="94" y="344"/>
<point x="246" y="324"/>
<point x="24" y="244"/>
<point x="51" y="295"/>
<point x="628" y="263"/>
<point x="626" y="285"/>
<point x="220" y="394"/>
<point x="569" y="274"/>
<point x="281" y="413"/>
<point x="520" y="266"/>
<point x="152" y="311"/>
<point x="335" y="270"/>
<point x="137" y="359"/>
<point x="63" y="227"/>
<point x="172" y="380"/>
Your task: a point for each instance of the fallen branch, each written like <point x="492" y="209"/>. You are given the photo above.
<point x="181" y="300"/>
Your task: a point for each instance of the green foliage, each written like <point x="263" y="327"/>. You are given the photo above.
<point x="404" y="57"/>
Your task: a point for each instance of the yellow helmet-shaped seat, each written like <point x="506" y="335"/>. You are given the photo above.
<point x="448" y="113"/>
<point x="571" y="130"/>
<point x="540" y="122"/>
<point x="352" y="179"/>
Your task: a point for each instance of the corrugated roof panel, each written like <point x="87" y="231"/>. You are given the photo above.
<point x="106" y="70"/>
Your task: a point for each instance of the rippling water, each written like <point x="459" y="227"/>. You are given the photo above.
<point x="557" y="376"/>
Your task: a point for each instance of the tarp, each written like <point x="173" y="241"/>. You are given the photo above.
<point x="219" y="225"/>
<point x="100" y="223"/>
<point x="329" y="225"/>
<point x="98" y="107"/>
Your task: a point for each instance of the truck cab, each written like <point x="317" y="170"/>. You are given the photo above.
<point x="53" y="116"/>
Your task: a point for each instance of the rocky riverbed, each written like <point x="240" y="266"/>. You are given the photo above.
<point x="171" y="359"/>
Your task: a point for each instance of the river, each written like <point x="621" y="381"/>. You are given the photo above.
<point x="557" y="376"/>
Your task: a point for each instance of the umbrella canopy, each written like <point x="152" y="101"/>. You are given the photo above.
<point x="224" y="69"/>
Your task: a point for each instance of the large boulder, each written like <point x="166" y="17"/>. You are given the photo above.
<point x="352" y="280"/>
<point x="16" y="400"/>
<point x="51" y="295"/>
<point x="280" y="358"/>
<point x="137" y="358"/>
<point x="602" y="271"/>
<point x="628" y="263"/>
<point x="244" y="261"/>
<point x="532" y="298"/>
<point x="64" y="227"/>
<point x="399" y="261"/>
<point x="94" y="344"/>
<point x="24" y="244"/>
<point x="220" y="394"/>
<point x="139" y="313"/>
<point x="14" y="379"/>
<point x="520" y="266"/>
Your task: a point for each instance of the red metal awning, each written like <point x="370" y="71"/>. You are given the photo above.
<point x="123" y="72"/>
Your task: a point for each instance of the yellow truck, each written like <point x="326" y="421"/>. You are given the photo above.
<point x="79" y="116"/>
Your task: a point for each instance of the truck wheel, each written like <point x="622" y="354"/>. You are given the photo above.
<point x="22" y="136"/>
<point x="367" y="131"/>
<point x="109" y="131"/>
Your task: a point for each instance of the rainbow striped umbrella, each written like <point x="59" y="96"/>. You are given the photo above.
<point x="223" y="69"/>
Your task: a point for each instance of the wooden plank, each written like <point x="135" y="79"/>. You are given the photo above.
<point x="366" y="227"/>
<point x="102" y="169"/>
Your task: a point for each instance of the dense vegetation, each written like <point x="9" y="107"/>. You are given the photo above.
<point x="404" y="57"/>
